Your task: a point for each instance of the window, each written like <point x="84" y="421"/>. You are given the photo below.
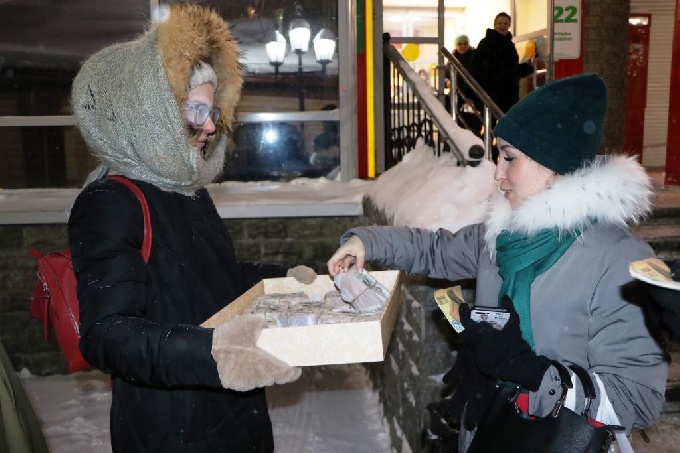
<point x="43" y="43"/>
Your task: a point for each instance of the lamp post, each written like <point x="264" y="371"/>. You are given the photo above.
<point x="299" y="34"/>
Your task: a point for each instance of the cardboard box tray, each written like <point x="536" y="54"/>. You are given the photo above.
<point x="321" y="344"/>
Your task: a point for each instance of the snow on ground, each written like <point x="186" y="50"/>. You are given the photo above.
<point x="330" y="409"/>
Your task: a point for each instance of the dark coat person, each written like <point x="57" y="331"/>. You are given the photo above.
<point x="496" y="65"/>
<point x="156" y="110"/>
<point x="463" y="53"/>
<point x="466" y="115"/>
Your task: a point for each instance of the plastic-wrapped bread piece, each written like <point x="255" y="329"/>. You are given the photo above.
<point x="275" y="301"/>
<point x="302" y="318"/>
<point x="334" y="302"/>
<point x="368" y="302"/>
<point x="282" y="320"/>
<point x="291" y="299"/>
<point x="362" y="290"/>
<point x="312" y="303"/>
<point x="269" y="315"/>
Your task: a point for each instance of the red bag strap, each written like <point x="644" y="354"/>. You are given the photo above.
<point x="146" y="245"/>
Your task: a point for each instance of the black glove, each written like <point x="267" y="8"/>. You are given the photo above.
<point x="470" y="388"/>
<point x="669" y="300"/>
<point x="674" y="268"/>
<point x="503" y="354"/>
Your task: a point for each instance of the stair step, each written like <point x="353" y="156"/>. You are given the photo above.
<point x="651" y="231"/>
<point x="662" y="228"/>
<point x="669" y="215"/>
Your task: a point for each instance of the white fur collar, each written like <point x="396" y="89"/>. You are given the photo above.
<point x="614" y="189"/>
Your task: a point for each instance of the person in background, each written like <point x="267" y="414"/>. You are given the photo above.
<point x="157" y="110"/>
<point x="326" y="153"/>
<point x="496" y="66"/>
<point x="554" y="252"/>
<point x="466" y="117"/>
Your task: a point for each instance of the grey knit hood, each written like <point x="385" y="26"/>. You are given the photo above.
<point x="127" y="97"/>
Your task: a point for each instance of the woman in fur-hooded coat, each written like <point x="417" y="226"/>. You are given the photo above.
<point x="140" y="321"/>
<point x="561" y="254"/>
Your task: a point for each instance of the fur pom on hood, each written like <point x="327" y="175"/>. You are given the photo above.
<point x="126" y="100"/>
<point x="191" y="33"/>
<point x="613" y="190"/>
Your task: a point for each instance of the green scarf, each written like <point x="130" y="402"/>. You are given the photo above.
<point x="520" y="260"/>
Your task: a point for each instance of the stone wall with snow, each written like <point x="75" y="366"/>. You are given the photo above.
<point x="428" y="191"/>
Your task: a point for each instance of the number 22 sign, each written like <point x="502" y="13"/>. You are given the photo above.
<point x="567" y="28"/>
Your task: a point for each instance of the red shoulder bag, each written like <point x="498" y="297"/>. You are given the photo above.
<point x="55" y="299"/>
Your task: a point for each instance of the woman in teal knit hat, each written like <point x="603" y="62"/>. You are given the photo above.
<point x="554" y="252"/>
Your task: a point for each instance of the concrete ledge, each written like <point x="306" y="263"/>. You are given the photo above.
<point x="234" y="200"/>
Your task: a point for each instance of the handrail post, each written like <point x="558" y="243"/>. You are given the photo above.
<point x="491" y="110"/>
<point x="387" y="104"/>
<point x="453" y="92"/>
<point x="487" y="132"/>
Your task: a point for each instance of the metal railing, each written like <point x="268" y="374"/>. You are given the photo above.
<point x="482" y="106"/>
<point x="413" y="111"/>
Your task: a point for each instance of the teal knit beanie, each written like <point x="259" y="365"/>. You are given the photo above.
<point x="559" y="125"/>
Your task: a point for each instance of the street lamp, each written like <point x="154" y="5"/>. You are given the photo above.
<point x="299" y="34"/>
<point x="276" y="50"/>
<point x="324" y="47"/>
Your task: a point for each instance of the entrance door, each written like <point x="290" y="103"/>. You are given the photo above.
<point x="636" y="86"/>
<point x="672" y="147"/>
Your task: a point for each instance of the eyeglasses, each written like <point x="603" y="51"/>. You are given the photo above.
<point x="197" y="113"/>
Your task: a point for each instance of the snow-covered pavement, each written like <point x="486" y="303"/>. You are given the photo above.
<point x="330" y="409"/>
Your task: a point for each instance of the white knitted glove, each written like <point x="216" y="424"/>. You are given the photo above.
<point x="302" y="274"/>
<point x="241" y="364"/>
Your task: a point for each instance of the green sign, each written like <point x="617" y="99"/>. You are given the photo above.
<point x="567" y="29"/>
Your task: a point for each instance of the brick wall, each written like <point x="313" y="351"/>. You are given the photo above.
<point x="285" y="241"/>
<point x="605" y="44"/>
<point x="421" y="350"/>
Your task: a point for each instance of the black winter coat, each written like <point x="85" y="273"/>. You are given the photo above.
<point x="465" y="59"/>
<point x="495" y="66"/>
<point x="140" y="322"/>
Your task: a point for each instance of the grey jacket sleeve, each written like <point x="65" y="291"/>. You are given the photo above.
<point x="437" y="254"/>
<point x="620" y="348"/>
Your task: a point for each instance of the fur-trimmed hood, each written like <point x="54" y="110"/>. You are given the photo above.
<point x="126" y="99"/>
<point x="613" y="190"/>
<point x="191" y="33"/>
